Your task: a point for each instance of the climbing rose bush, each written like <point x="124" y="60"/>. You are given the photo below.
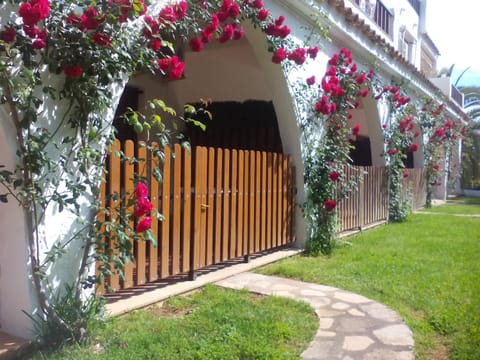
<point x="327" y="144"/>
<point x="401" y="137"/>
<point x="440" y="135"/>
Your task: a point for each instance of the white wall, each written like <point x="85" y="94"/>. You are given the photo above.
<point x="14" y="264"/>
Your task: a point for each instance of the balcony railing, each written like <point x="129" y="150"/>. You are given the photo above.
<point x="384" y="18"/>
<point x="457" y="96"/>
<point x="416" y="5"/>
<point x="381" y="15"/>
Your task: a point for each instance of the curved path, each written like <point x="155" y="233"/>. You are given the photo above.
<point x="351" y="326"/>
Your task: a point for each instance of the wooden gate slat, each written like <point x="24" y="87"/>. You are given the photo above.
<point x="114" y="191"/>
<point x="141" y="248"/>
<point x="176" y="217"/>
<point x="210" y="202"/>
<point x="246" y="202"/>
<point x="263" y="210"/>
<point x="226" y="205"/>
<point x="258" y="198"/>
<point x="187" y="209"/>
<point x="233" y="203"/>
<point x="164" y="242"/>
<point x="218" y="206"/>
<point x="269" y="222"/>
<point x="251" y="204"/>
<point x="153" y="250"/>
<point x="128" y="181"/>
<point x="240" y="203"/>
<point x="200" y="205"/>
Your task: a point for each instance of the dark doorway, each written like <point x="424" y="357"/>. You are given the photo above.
<point x="129" y="99"/>
<point x="361" y="153"/>
<point x="249" y="125"/>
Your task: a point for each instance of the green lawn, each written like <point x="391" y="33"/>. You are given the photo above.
<point x="213" y="323"/>
<point x="461" y="205"/>
<point x="427" y="269"/>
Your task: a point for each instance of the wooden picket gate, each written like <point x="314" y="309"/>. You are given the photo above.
<point x="369" y="203"/>
<point x="217" y="205"/>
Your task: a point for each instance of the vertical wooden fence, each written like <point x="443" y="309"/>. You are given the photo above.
<point x="414" y="188"/>
<point x="369" y="203"/>
<point x="217" y="205"/>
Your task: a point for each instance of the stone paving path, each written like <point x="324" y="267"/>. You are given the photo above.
<point x="352" y="327"/>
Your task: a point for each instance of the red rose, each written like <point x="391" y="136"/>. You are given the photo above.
<point x="334" y="175"/>
<point x="334" y="60"/>
<point x="392" y="151"/>
<point x="141" y="190"/>
<point x="206" y="35"/>
<point x="167" y="15"/>
<point x="413" y="148"/>
<point x="311" y="80"/>
<point x="73" y="72"/>
<point x="262" y="15"/>
<point x="363" y="92"/>
<point x="330" y="205"/>
<point x="101" y="39"/>
<point x="31" y="31"/>
<point x="155" y="44"/>
<point x="312" y="52"/>
<point x="39" y="44"/>
<point x="257" y="4"/>
<point x="227" y="34"/>
<point x="143" y="206"/>
<point x="196" y="44"/>
<point x="360" y="79"/>
<point x="283" y="32"/>
<point x="298" y="56"/>
<point x="8" y="35"/>
<point x="177" y="69"/>
<point x="238" y="33"/>
<point x="144" y="225"/>
<point x="172" y="67"/>
<point x="233" y="10"/>
<point x="356" y="129"/>
<point x="180" y="9"/>
<point x="29" y="14"/>
<point x="279" y="56"/>
<point x="279" y="21"/>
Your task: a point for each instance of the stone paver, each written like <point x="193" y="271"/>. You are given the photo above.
<point x="352" y="327"/>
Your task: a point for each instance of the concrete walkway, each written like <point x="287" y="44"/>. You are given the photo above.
<point x="352" y="327"/>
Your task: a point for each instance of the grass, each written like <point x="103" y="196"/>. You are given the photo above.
<point x="461" y="205"/>
<point x="214" y="323"/>
<point x="427" y="269"/>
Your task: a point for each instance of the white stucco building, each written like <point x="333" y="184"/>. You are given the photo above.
<point x="389" y="34"/>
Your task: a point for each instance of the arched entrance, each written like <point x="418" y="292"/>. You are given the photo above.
<point x="236" y="197"/>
